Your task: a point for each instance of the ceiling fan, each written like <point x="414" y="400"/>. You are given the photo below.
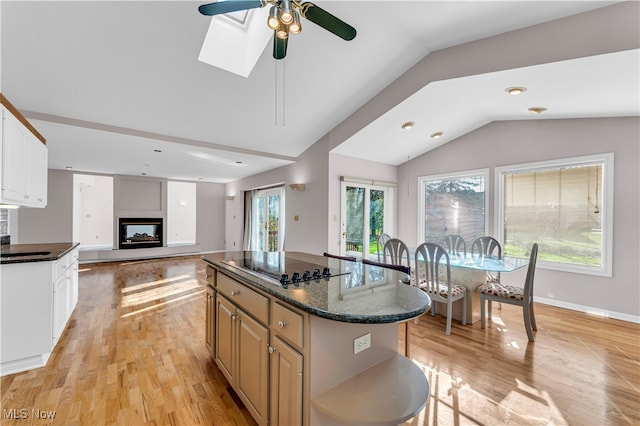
<point x="284" y="19"/>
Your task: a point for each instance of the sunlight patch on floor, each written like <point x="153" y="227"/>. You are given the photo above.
<point x="523" y="404"/>
<point x="154" y="283"/>
<point x="163" y="305"/>
<point x="158" y="293"/>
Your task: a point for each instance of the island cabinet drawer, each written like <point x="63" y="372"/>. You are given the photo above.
<point x="242" y="296"/>
<point x="289" y="324"/>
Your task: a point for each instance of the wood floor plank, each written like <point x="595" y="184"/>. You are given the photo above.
<point x="133" y="353"/>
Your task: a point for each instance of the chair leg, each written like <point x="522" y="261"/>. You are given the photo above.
<point x="464" y="310"/>
<point x="490" y="311"/>
<point x="448" y="317"/>
<point x="482" y="311"/>
<point x="407" y="340"/>
<point x="533" y="316"/>
<point x="527" y="321"/>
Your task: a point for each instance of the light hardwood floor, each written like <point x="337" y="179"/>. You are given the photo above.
<point x="133" y="353"/>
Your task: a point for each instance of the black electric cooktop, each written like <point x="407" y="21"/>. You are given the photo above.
<point x="287" y="270"/>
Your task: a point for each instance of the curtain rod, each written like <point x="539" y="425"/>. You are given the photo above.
<point x="367" y="181"/>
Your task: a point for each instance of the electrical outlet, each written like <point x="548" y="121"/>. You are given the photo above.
<point x="361" y="343"/>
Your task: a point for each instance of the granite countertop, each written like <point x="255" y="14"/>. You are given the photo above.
<point x="43" y="252"/>
<point x="356" y="293"/>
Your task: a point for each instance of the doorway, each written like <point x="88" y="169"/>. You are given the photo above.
<point x="366" y="213"/>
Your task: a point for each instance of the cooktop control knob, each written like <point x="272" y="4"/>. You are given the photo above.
<point x="326" y="272"/>
<point x="284" y="280"/>
<point x="296" y="277"/>
<point x="316" y="274"/>
<point x="306" y="276"/>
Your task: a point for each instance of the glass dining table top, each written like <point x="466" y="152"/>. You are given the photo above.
<point x="487" y="263"/>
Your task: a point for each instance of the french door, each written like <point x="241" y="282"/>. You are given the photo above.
<point x="268" y="206"/>
<point x="366" y="212"/>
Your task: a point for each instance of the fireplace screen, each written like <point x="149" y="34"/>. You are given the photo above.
<point x="140" y="233"/>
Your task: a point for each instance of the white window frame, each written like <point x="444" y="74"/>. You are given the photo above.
<point x="452" y="175"/>
<point x="607" y="208"/>
<point x="389" y="202"/>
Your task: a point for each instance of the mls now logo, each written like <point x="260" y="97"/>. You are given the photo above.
<point x="23" y="413"/>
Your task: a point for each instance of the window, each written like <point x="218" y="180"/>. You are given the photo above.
<point x="563" y="205"/>
<point x="264" y="227"/>
<point x="181" y="213"/>
<point x="93" y="211"/>
<point x="452" y="204"/>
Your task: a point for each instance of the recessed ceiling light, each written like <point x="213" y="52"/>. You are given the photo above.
<point x="69" y="167"/>
<point x="537" y="110"/>
<point x="143" y="174"/>
<point x="157" y="150"/>
<point x="436" y="135"/>
<point x="513" y="91"/>
<point x="408" y="125"/>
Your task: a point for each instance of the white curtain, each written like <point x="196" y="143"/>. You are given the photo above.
<point x="249" y="228"/>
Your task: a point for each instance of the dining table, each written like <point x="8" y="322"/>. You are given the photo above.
<point x="470" y="271"/>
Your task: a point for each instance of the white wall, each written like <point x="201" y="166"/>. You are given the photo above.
<point x="93" y="210"/>
<point x="181" y="213"/>
<point x="514" y="142"/>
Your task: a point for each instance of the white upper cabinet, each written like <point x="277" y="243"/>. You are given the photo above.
<point x="24" y="164"/>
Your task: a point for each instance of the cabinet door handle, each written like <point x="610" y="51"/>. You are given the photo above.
<point x="234" y="317"/>
<point x="282" y="324"/>
<point x="272" y="349"/>
<point x="235" y="292"/>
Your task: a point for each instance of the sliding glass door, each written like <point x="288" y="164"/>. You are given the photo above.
<point x="268" y="206"/>
<point x="366" y="213"/>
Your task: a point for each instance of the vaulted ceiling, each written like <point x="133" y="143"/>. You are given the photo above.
<point x="117" y="87"/>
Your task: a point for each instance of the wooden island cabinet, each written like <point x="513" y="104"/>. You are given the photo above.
<point x="288" y="349"/>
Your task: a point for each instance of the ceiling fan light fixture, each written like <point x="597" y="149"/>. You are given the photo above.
<point x="537" y="110"/>
<point x="272" y="20"/>
<point x="282" y="32"/>
<point x="295" y="27"/>
<point x="286" y="14"/>
<point x="516" y="90"/>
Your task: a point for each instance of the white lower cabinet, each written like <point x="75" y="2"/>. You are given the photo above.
<point x="36" y="301"/>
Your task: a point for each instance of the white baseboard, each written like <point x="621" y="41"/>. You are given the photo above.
<point x="24" y="364"/>
<point x="589" y="310"/>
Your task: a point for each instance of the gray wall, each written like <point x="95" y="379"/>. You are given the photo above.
<point x="54" y="223"/>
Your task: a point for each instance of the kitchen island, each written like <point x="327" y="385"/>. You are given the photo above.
<point x="317" y="345"/>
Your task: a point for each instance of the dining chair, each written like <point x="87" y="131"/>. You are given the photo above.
<point x="487" y="246"/>
<point x="380" y="242"/>
<point x="430" y="258"/>
<point x="454" y="244"/>
<point x="521" y="296"/>
<point x="396" y="252"/>
<point x="335" y="256"/>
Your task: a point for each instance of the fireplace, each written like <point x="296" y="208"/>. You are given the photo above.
<point x="140" y="233"/>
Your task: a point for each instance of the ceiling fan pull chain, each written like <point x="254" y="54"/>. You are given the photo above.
<point x="284" y="82"/>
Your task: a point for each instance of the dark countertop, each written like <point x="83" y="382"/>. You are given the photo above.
<point x="43" y="252"/>
<point x="358" y="293"/>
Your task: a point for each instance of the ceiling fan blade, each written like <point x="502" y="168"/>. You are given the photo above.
<point x="279" y="47"/>
<point x="227" y="6"/>
<point x="321" y="17"/>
